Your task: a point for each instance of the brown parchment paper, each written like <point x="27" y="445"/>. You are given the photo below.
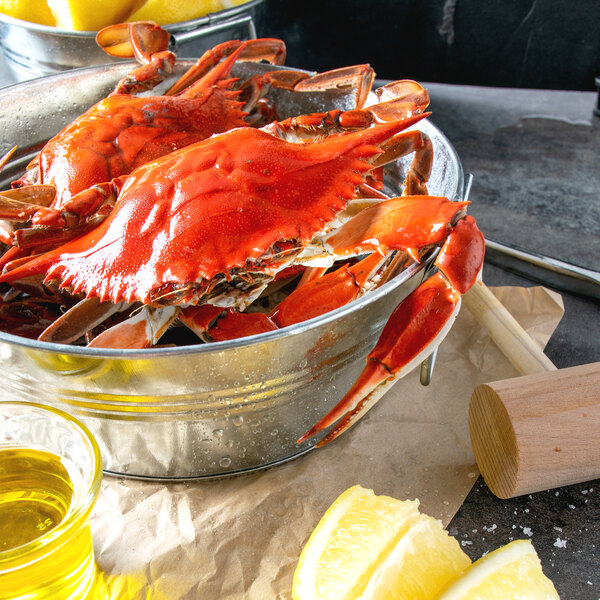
<point x="241" y="537"/>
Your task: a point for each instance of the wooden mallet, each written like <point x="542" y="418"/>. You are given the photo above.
<point x="538" y="431"/>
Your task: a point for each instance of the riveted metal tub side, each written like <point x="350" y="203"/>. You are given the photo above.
<point x="203" y="410"/>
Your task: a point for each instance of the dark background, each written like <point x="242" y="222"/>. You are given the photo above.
<point x="550" y="44"/>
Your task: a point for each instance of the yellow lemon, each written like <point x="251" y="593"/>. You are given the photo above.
<point x="34" y="11"/>
<point x="422" y="564"/>
<point x="90" y="15"/>
<point x="164" y="12"/>
<point x="369" y="546"/>
<point x="512" y="572"/>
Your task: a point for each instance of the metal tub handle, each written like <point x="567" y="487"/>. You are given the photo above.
<point x="186" y="37"/>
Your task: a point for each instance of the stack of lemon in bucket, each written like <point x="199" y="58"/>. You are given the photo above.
<point x="91" y="15"/>
<point x="369" y="547"/>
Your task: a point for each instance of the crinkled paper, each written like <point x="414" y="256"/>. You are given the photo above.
<point x="241" y="537"/>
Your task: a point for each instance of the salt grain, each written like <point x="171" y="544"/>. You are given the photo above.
<point x="560" y="543"/>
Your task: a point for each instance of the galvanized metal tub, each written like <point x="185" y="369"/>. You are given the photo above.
<point x="204" y="410"/>
<point x="33" y="50"/>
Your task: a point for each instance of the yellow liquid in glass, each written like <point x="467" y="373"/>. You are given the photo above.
<point x="36" y="493"/>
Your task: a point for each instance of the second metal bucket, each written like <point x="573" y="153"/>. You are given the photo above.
<point x="33" y="50"/>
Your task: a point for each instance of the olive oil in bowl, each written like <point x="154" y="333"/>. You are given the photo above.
<point x="47" y="491"/>
<point x="35" y="495"/>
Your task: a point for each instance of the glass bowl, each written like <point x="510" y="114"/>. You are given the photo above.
<point x="50" y="474"/>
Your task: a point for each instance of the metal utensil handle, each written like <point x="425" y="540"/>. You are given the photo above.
<point x="557" y="273"/>
<point x="189" y="36"/>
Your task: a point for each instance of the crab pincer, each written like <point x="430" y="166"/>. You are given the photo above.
<point x="415" y="328"/>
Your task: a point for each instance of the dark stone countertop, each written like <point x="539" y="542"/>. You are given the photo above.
<point x="535" y="158"/>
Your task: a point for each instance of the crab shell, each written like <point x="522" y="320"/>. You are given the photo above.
<point x="122" y="132"/>
<point x="214" y="208"/>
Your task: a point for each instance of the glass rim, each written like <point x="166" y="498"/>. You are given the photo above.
<point x="86" y="500"/>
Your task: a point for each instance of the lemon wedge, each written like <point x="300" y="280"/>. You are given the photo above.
<point x="164" y="12"/>
<point x="369" y="546"/>
<point x="512" y="572"/>
<point x="422" y="564"/>
<point x="90" y="15"/>
<point x="34" y="11"/>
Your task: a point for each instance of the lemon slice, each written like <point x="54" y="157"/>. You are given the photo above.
<point x="164" y="12"/>
<point x="90" y="15"/>
<point x="422" y="564"/>
<point x="34" y="11"/>
<point x="512" y="572"/>
<point x="368" y="543"/>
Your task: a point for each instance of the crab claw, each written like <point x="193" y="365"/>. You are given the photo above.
<point x="417" y="325"/>
<point x="461" y="256"/>
<point x="138" y="40"/>
<point x="406" y="223"/>
<point x="421" y="320"/>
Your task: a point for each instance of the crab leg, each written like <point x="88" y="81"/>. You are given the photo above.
<point x="419" y="322"/>
<point x="326" y="293"/>
<point x="141" y="330"/>
<point x="270" y="50"/>
<point x="420" y="168"/>
<point x="406" y="223"/>
<point x="417" y="325"/>
<point x="48" y="227"/>
<point x="79" y="319"/>
<point x="232" y="325"/>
